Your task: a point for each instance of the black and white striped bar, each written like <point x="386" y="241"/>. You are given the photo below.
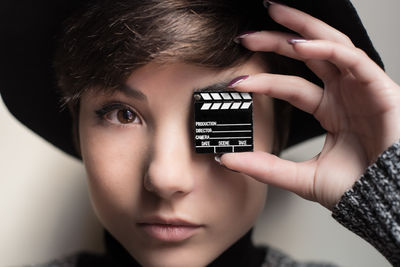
<point x="223" y="122"/>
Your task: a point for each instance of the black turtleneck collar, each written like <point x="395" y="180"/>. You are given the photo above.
<point x="242" y="253"/>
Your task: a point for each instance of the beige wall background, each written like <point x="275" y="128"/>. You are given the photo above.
<point x="46" y="213"/>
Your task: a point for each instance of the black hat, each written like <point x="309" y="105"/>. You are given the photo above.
<point x="27" y="80"/>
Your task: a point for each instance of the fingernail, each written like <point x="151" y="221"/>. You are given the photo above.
<point x="218" y="159"/>
<point x="241" y="36"/>
<point x="237" y="80"/>
<point x="267" y="3"/>
<point x="297" y="41"/>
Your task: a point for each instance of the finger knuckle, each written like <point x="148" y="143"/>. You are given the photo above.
<point x="385" y="84"/>
<point x="361" y="53"/>
<point x="346" y="40"/>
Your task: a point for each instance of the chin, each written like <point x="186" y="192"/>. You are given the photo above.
<point x="176" y="257"/>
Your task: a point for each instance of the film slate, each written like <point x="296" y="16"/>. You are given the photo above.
<point x="223" y="122"/>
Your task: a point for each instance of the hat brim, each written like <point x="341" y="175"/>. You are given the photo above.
<point x="27" y="81"/>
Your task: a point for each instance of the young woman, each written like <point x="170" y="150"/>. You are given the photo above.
<point x="127" y="71"/>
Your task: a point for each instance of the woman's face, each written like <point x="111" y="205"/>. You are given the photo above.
<point x="167" y="205"/>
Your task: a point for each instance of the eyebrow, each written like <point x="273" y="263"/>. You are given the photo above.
<point x="135" y="93"/>
<point x="216" y="87"/>
<point x="132" y="92"/>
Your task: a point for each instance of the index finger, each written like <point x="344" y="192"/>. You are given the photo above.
<point x="306" y="25"/>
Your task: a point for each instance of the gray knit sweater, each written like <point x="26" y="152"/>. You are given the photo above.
<point x="371" y="209"/>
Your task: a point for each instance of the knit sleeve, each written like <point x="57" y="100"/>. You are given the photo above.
<point x="371" y="208"/>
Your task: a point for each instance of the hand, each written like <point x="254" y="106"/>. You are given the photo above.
<point x="359" y="107"/>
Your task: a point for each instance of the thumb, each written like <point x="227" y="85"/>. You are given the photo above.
<point x="270" y="169"/>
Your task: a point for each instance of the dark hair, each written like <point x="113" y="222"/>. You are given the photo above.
<point x="105" y="41"/>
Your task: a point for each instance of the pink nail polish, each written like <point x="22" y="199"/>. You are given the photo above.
<point x="237" y="80"/>
<point x="241" y="36"/>
<point x="218" y="159"/>
<point x="267" y="3"/>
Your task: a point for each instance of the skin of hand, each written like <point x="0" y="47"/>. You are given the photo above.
<point x="358" y="107"/>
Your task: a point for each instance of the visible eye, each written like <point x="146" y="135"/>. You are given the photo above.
<point x="123" y="116"/>
<point x="118" y="114"/>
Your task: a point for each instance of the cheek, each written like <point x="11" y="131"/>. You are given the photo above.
<point x="114" y="163"/>
<point x="234" y="202"/>
<point x="243" y="200"/>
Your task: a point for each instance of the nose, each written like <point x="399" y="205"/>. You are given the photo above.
<point x="169" y="171"/>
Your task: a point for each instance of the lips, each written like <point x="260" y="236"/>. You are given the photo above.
<point x="169" y="230"/>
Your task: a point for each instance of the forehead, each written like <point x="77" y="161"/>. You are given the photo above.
<point x="167" y="79"/>
<point x="158" y="76"/>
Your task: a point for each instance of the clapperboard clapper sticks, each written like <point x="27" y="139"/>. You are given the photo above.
<point x="223" y="122"/>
